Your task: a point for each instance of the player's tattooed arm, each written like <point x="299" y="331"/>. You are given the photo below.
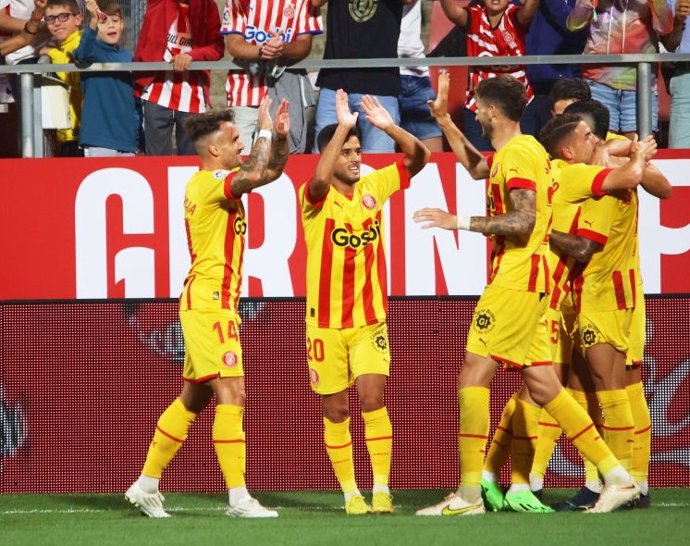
<point x="517" y="222"/>
<point x="254" y="171"/>
<point x="571" y="245"/>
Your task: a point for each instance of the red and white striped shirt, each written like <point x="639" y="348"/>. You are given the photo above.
<point x="505" y="40"/>
<point x="255" y="19"/>
<point x="180" y="91"/>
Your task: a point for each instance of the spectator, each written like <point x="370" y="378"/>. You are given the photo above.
<point x="415" y="117"/>
<point x="21" y="32"/>
<point x="549" y="35"/>
<point x="493" y="29"/>
<point x="265" y="36"/>
<point x="358" y="30"/>
<point x="617" y="28"/>
<point x="178" y="32"/>
<point x="111" y="123"/>
<point x="63" y="19"/>
<point x="567" y="91"/>
<point x="679" y="41"/>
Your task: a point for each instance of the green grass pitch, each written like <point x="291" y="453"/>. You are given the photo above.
<point x="318" y="518"/>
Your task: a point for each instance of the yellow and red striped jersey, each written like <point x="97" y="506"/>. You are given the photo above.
<point x="573" y="187"/>
<point x="608" y="281"/>
<point x="216" y="227"/>
<point x="346" y="263"/>
<point x="520" y="263"/>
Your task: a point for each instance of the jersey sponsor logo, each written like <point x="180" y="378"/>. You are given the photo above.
<point x="484" y="320"/>
<point x="230" y="359"/>
<point x="362" y="10"/>
<point x="313" y="376"/>
<point x="342" y="237"/>
<point x="260" y="36"/>
<point x="369" y="201"/>
<point x="240" y="225"/>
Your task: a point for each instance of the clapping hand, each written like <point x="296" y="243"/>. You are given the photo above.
<point x="281" y="120"/>
<point x="376" y="114"/>
<point x="439" y="106"/>
<point x="342" y="110"/>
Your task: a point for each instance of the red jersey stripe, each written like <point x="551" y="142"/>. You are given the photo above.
<point x="617" y="278"/>
<point x="229" y="248"/>
<point x="324" y="311"/>
<point x="348" y="288"/>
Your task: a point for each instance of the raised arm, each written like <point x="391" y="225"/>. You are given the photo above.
<point x="630" y="174"/>
<point x="455" y="12"/>
<point x="672" y="39"/>
<point x="526" y="14"/>
<point x="416" y="153"/>
<point x="254" y="171"/>
<point x="571" y="245"/>
<point x="320" y="182"/>
<point x="279" y="151"/>
<point x="581" y="16"/>
<point x="468" y="156"/>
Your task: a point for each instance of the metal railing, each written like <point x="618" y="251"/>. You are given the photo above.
<point x="644" y="63"/>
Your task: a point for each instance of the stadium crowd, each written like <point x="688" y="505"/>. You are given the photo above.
<point x="266" y="38"/>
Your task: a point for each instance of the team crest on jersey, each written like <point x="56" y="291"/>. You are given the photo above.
<point x="220" y="175"/>
<point x="509" y="38"/>
<point x="289" y="11"/>
<point x="484" y="320"/>
<point x="230" y="359"/>
<point x="313" y="376"/>
<point x="362" y="10"/>
<point x="369" y="201"/>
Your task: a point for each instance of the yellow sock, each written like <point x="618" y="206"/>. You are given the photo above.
<point x="588" y="401"/>
<point x="502" y="440"/>
<point x="379" y="436"/>
<point x="525" y="425"/>
<point x="580" y="430"/>
<point x="171" y="432"/>
<point x="229" y="443"/>
<point x="548" y="433"/>
<point x="339" y="449"/>
<point x="472" y="434"/>
<point x="618" y="429"/>
<point x="642" y="440"/>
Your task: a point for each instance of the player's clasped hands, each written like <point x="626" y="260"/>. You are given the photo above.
<point x="432" y="217"/>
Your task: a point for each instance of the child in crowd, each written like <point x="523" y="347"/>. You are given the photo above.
<point x="63" y="19"/>
<point x="111" y="121"/>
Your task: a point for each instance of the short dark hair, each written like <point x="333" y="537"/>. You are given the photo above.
<point x="598" y="112"/>
<point x="326" y="134"/>
<point x="201" y="125"/>
<point x="504" y="92"/>
<point x="555" y="131"/>
<point x="110" y="7"/>
<point x="570" y="88"/>
<point x="72" y="5"/>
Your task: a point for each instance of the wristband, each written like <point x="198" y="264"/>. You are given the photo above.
<point x="26" y="29"/>
<point x="265" y="133"/>
<point x="463" y="222"/>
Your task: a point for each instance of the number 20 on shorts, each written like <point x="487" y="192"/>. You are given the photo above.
<point x="315" y="350"/>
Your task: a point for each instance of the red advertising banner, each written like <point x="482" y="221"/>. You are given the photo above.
<point x="113" y="228"/>
<point x="82" y="385"/>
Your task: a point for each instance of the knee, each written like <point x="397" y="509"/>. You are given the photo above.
<point x="371" y="402"/>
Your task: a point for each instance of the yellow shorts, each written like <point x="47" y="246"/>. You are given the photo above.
<point x="339" y="356"/>
<point x="612" y="327"/>
<point x="510" y="326"/>
<point x="638" y="330"/>
<point x="212" y="345"/>
<point x="562" y="326"/>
